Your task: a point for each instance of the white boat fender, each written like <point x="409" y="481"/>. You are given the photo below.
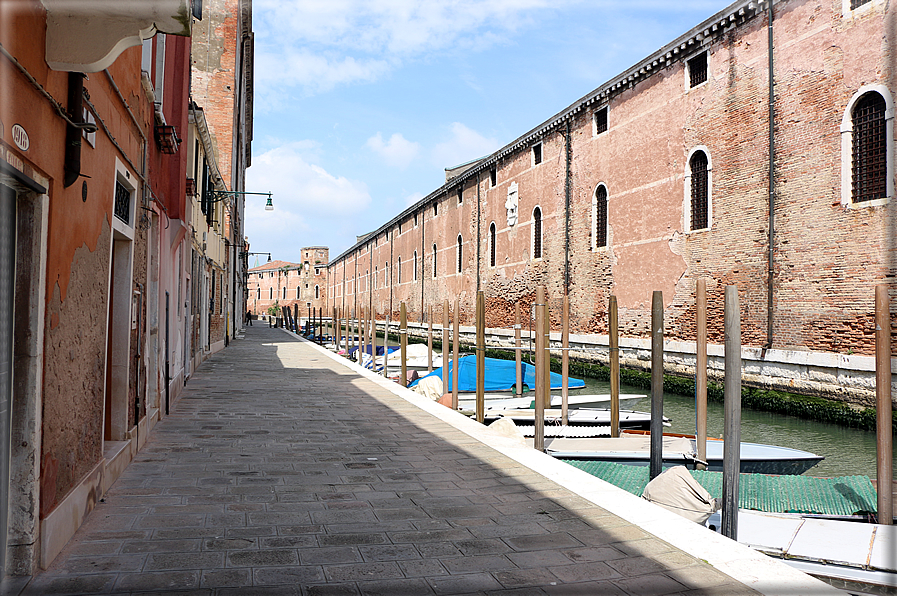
<point x="675" y="490"/>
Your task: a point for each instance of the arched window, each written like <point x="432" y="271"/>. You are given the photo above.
<point x="599" y="217"/>
<point x="869" y="169"/>
<point x="459" y="253"/>
<point x="387" y="273"/>
<point x="317" y="292"/>
<point x="399" y="270"/>
<point x="434" y="260"/>
<point x="284" y="293"/>
<point x="492" y="244"/>
<point x="537" y="233"/>
<point x="698" y="189"/>
<point x="414" y="264"/>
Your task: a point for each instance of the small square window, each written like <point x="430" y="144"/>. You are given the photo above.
<point x="601" y="120"/>
<point x="493" y="177"/>
<point x="537" y="154"/>
<point x="697" y="70"/>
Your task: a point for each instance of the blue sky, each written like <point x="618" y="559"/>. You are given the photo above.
<point x="360" y="105"/>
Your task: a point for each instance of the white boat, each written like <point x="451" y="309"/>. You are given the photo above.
<point x="501" y="401"/>
<point x="856" y="556"/>
<point x="582" y="416"/>
<point x="635" y="449"/>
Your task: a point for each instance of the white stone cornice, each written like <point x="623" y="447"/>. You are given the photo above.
<point x="88" y="35"/>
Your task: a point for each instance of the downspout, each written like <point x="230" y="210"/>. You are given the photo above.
<point x="770" y="292"/>
<point x="568" y="190"/>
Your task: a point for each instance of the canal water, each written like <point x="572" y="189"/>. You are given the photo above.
<point x="847" y="451"/>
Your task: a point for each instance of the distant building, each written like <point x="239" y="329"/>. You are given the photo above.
<point x="281" y="283"/>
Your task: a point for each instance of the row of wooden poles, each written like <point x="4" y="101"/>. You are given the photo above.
<point x="361" y="331"/>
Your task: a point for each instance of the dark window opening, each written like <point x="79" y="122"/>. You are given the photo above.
<point x="459" y="253"/>
<point x="434" y="260"/>
<point x="435" y="209"/>
<point x="537" y="233"/>
<point x="492" y="245"/>
<point x="601" y="217"/>
<point x="493" y="177"/>
<point x="601" y="120"/>
<point x="697" y="69"/>
<point x="699" y="191"/>
<point x="122" y="203"/>
<point x="537" y="154"/>
<point x="869" y="167"/>
<point x="858" y="3"/>
<point x="460" y="196"/>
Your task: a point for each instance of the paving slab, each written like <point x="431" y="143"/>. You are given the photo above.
<point x="284" y="469"/>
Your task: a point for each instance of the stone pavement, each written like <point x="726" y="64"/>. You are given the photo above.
<point x="284" y="471"/>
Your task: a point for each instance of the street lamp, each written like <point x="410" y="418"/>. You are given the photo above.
<point x="220" y="195"/>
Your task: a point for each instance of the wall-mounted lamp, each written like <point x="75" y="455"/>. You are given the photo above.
<point x="220" y="195"/>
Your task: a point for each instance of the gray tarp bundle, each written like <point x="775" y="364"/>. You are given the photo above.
<point x="676" y="491"/>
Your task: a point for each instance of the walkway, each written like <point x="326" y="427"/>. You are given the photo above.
<point x="283" y="470"/>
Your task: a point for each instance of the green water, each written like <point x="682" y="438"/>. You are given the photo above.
<point x="847" y="451"/>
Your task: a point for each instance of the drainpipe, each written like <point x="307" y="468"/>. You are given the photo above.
<point x="568" y="189"/>
<point x="770" y="292"/>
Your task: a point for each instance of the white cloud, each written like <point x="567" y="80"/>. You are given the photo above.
<point x="314" y="73"/>
<point x="307" y="199"/>
<point x="397" y="152"/>
<point x="464" y="145"/>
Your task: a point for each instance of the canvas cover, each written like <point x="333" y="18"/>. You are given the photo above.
<point x="500" y="375"/>
<point x="676" y="491"/>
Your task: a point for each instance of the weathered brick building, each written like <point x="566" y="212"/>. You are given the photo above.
<point x="280" y="283"/>
<point x="666" y="174"/>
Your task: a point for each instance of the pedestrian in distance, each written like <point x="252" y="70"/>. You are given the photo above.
<point x="249" y="317"/>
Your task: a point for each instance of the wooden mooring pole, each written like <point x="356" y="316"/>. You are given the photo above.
<point x="517" y="351"/>
<point x="565" y="358"/>
<point x="614" y="341"/>
<point x="386" y="346"/>
<point x="403" y="337"/>
<point x="455" y="352"/>
<point x="539" y="414"/>
<point x="481" y="356"/>
<point x="884" y="442"/>
<point x="446" y="352"/>
<point x="430" y="340"/>
<point x="656" y="457"/>
<point x="731" y="414"/>
<point x="701" y="370"/>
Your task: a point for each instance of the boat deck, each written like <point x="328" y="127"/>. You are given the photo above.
<point x="847" y="495"/>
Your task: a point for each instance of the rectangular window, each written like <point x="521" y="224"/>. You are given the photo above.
<point x="460" y="195"/>
<point x="697" y="70"/>
<point x="537" y="154"/>
<point x="122" y="208"/>
<point x="601" y="120"/>
<point x="493" y="177"/>
<point x="435" y="208"/>
<point x="858" y="3"/>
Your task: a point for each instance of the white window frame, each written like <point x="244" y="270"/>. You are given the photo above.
<point x="686" y="205"/>
<point x="687" y="70"/>
<point x="847" y="147"/>
<point x="852" y="13"/>
<point x="606" y="109"/>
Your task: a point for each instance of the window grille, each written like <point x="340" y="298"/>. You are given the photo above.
<point x="601" y="216"/>
<point x="697" y="69"/>
<point x="537" y="233"/>
<point x="858" y="3"/>
<point x="699" y="191"/>
<point x="492" y="245"/>
<point x="537" y="154"/>
<point x="459" y="253"/>
<point x="869" y="167"/>
<point x="122" y="203"/>
<point x="601" y="121"/>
